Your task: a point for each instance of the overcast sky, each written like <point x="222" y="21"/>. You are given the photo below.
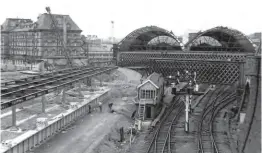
<point x="180" y="16"/>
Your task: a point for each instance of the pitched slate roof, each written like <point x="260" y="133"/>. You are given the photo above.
<point x="45" y="22"/>
<point x="25" y="27"/>
<point x="155" y="79"/>
<point x="13" y="23"/>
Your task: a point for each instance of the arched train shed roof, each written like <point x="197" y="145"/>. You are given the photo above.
<point x="143" y="35"/>
<point x="227" y="36"/>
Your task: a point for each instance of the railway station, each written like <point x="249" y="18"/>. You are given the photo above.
<point x="150" y="93"/>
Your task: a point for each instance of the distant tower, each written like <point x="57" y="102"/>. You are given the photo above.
<point x="112" y="32"/>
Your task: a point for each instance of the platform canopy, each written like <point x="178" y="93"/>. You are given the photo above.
<point x="150" y="38"/>
<point x="220" y="39"/>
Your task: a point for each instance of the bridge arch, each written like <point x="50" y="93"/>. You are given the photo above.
<point x="220" y="39"/>
<point x="149" y="38"/>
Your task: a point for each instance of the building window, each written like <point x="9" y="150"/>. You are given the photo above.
<point x="147" y="94"/>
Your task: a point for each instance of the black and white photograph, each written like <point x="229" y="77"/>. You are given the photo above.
<point x="130" y="76"/>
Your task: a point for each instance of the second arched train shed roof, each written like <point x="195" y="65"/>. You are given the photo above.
<point x="226" y="35"/>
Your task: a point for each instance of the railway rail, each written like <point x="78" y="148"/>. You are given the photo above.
<point x="207" y="137"/>
<point x="163" y="138"/>
<point x="15" y="82"/>
<point x="34" y="77"/>
<point x="204" y="135"/>
<point x="32" y="91"/>
<point x="36" y="83"/>
<point x="34" y="80"/>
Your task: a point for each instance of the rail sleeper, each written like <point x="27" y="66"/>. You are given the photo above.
<point x="33" y="138"/>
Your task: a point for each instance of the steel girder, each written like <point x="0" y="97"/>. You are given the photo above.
<point x="213" y="72"/>
<point x="211" y="67"/>
<point x="126" y="59"/>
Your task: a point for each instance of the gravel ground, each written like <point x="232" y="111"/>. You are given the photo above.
<point x="99" y="132"/>
<point x="110" y="143"/>
<point x="117" y="79"/>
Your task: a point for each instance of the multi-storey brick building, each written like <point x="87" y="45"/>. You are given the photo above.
<point x="14" y="41"/>
<point x="24" y="41"/>
<point x="49" y="41"/>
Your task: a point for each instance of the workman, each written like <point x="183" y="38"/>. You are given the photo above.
<point x="89" y="107"/>
<point x="133" y="115"/>
<point x="100" y="106"/>
<point x="110" y="106"/>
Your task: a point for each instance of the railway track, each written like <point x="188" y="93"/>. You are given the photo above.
<point x="4" y="84"/>
<point x="34" y="80"/>
<point x="40" y="82"/>
<point x="211" y="137"/>
<point x="170" y="130"/>
<point x="44" y="86"/>
<point x="162" y="140"/>
<point x="10" y="85"/>
<point x="207" y="132"/>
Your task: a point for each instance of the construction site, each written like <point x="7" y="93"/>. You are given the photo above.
<point x="148" y="93"/>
